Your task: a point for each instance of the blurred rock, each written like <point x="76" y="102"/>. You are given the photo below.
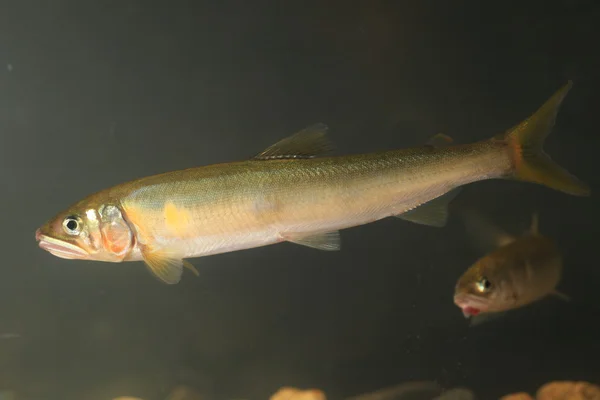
<point x="289" y="393"/>
<point x="137" y="386"/>
<point x="412" y="390"/>
<point x="517" y="396"/>
<point x="184" y="393"/>
<point x="561" y="390"/>
<point x="568" y="390"/>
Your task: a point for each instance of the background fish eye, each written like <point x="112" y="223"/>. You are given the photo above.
<point x="483" y="285"/>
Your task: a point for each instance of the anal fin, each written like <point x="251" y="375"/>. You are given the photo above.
<point x="328" y="241"/>
<point x="432" y="213"/>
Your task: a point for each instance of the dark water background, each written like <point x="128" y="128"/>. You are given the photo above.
<point x="93" y="93"/>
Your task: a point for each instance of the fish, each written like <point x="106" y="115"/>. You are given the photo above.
<point x="294" y="191"/>
<point x="518" y="272"/>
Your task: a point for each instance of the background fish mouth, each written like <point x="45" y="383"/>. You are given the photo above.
<point x="59" y="248"/>
<point x="469" y="312"/>
<point x="470" y="302"/>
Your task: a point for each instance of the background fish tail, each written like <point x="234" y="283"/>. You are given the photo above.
<point x="531" y="163"/>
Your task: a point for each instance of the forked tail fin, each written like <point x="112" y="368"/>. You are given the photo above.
<point x="531" y="163"/>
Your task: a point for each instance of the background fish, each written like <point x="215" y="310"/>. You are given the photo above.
<point x="293" y="192"/>
<point x="520" y="271"/>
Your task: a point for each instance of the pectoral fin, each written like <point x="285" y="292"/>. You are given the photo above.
<point x="439" y="140"/>
<point x="164" y="265"/>
<point x="534" y="229"/>
<point x="560" y="295"/>
<point x="486" y="317"/>
<point x="329" y="241"/>
<point x="432" y="213"/>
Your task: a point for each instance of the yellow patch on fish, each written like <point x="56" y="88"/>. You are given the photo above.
<point x="177" y="220"/>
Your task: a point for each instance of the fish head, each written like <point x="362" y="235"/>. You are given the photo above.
<point x="87" y="231"/>
<point x="479" y="288"/>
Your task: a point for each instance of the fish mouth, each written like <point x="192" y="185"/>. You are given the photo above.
<point x="471" y="305"/>
<point x="60" y="248"/>
<point x="469" y="312"/>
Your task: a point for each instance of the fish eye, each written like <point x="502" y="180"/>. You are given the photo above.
<point x="72" y="225"/>
<point x="484" y="285"/>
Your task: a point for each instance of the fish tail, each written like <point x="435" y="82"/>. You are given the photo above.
<point x="531" y="163"/>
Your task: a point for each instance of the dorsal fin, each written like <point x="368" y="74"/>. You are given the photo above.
<point x="439" y="140"/>
<point x="310" y="142"/>
<point x="485" y="234"/>
<point x="534" y="228"/>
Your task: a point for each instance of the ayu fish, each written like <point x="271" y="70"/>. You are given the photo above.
<point x="517" y="272"/>
<point x="293" y="191"/>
